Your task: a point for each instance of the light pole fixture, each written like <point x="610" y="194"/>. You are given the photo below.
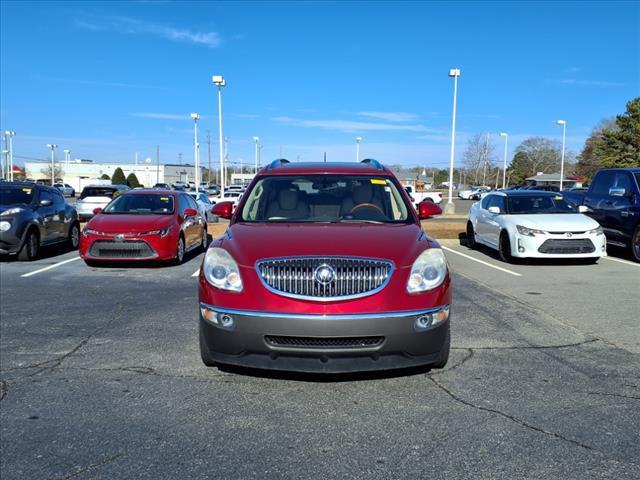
<point x="220" y="82"/>
<point x="53" y="147"/>
<point x="196" y="148"/>
<point x="455" y="73"/>
<point x="504" y="166"/>
<point x="67" y="155"/>
<point x="564" y="136"/>
<point x="358" y="140"/>
<point x="9" y="134"/>
<point x="256" y="140"/>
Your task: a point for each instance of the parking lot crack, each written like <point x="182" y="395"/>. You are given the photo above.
<point x="4" y="388"/>
<point x="618" y="395"/>
<point x="530" y="346"/>
<point x="88" y="468"/>
<point x="509" y="417"/>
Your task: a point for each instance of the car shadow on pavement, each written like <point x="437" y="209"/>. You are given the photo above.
<point x="323" y="377"/>
<point x="45" y="253"/>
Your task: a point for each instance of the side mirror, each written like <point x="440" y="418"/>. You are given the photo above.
<point x="190" y="212"/>
<point x="223" y="209"/>
<point x="45" y="203"/>
<point x="97" y="210"/>
<point x="494" y="210"/>
<point x="583" y="209"/>
<point x="427" y="209"/>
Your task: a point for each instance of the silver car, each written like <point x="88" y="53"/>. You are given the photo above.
<point x="96" y="196"/>
<point x="66" y="189"/>
<point x="204" y="204"/>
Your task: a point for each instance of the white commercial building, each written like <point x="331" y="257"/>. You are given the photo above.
<point x="79" y="173"/>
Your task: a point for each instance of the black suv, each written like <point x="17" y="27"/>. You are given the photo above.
<point x="33" y="215"/>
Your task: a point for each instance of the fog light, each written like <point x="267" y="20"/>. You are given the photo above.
<point x="226" y="321"/>
<point x="4" y="226"/>
<point x="431" y="319"/>
<point x="520" y="247"/>
<point x="221" y="320"/>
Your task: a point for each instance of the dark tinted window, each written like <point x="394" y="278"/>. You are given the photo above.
<point x="538" y="204"/>
<point x="497" y="201"/>
<point x="97" y="192"/>
<point x="602" y="183"/>
<point x="486" y="200"/>
<point x="623" y="180"/>
<point x="141" y="205"/>
<point x="15" y="195"/>
<point x="58" y="199"/>
<point x="183" y="203"/>
<point x="45" y="195"/>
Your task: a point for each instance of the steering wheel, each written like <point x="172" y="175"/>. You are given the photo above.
<point x="366" y="205"/>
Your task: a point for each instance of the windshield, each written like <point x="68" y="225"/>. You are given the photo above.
<point x="97" y="192"/>
<point x="14" y="195"/>
<point x="324" y="198"/>
<point x="141" y="205"/>
<point x="532" y="204"/>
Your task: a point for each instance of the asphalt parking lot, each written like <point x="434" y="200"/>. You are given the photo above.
<point x="101" y="378"/>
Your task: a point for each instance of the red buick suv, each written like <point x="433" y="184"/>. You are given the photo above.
<point x="143" y="225"/>
<point x="325" y="268"/>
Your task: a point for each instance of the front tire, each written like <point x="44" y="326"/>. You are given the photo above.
<point x="180" y="251"/>
<point x="31" y="247"/>
<point x="504" y="248"/>
<point x="471" y="236"/>
<point x="635" y="244"/>
<point x="205" y="355"/>
<point x="444" y="352"/>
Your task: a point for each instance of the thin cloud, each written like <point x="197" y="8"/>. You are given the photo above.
<point x="246" y="115"/>
<point x="589" y="83"/>
<point x="390" y="116"/>
<point x="134" y="26"/>
<point x="351" y="126"/>
<point x="96" y="83"/>
<point x="166" y="116"/>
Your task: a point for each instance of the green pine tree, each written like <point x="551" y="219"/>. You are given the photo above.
<point x="118" y="177"/>
<point x="132" y="180"/>
<point x="620" y="147"/>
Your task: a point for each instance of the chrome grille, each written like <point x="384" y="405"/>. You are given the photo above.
<point x="298" y="276"/>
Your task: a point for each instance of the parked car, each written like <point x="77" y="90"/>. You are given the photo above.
<point x="144" y="225"/>
<point x="163" y="186"/>
<point x="96" y="196"/>
<point x="533" y="224"/>
<point x="473" y="193"/>
<point x="32" y="216"/>
<point x="204" y="205"/>
<point x="435" y="197"/>
<point x="66" y="189"/>
<point x="613" y="200"/>
<point x="325" y="268"/>
<point x="229" y="196"/>
<point x="180" y="185"/>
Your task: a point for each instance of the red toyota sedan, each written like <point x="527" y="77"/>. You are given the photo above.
<point x="325" y="268"/>
<point x="144" y="225"/>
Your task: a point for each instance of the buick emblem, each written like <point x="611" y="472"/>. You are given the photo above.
<point x="119" y="238"/>
<point x="569" y="234"/>
<point x="324" y="274"/>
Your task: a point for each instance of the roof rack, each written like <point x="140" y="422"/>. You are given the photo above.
<point x="276" y="163"/>
<point x="374" y="163"/>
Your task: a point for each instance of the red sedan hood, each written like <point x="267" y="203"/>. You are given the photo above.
<point x="113" y="223"/>
<point x="400" y="243"/>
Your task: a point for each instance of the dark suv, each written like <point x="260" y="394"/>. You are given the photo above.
<point x="34" y="215"/>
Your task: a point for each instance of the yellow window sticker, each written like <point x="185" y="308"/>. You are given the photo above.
<point x="26" y="190"/>
<point x="378" y="181"/>
<point x="559" y="197"/>
<point x="164" y="199"/>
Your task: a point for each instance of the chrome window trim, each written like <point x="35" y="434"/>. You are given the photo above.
<point x="318" y="257"/>
<point x="306" y="316"/>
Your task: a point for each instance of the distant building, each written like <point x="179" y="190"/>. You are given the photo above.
<point x="412" y="178"/>
<point x="79" y="173"/>
<point x="552" y="179"/>
<point x="241" y="178"/>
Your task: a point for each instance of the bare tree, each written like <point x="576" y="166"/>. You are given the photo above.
<point x="479" y="157"/>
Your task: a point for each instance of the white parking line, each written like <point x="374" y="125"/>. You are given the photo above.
<point x="35" y="272"/>
<point x="196" y="273"/>
<point x="619" y="260"/>
<point x="480" y="261"/>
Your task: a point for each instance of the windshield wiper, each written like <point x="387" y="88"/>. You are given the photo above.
<point x="353" y="220"/>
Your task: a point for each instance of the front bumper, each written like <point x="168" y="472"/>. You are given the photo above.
<point x="398" y="342"/>
<point x="11" y="239"/>
<point x="532" y="247"/>
<point x="151" y="248"/>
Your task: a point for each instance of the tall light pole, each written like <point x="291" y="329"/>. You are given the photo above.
<point x="256" y="140"/>
<point x="564" y="136"/>
<point x="196" y="148"/>
<point x="9" y="136"/>
<point x="358" y="140"/>
<point x="219" y="81"/>
<point x="504" y="165"/>
<point x="67" y="155"/>
<point x="455" y="73"/>
<point x="53" y="147"/>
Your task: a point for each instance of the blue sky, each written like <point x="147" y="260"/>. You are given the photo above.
<point x="110" y="79"/>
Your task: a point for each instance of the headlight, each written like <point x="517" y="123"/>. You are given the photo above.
<point x="221" y="270"/>
<point x="428" y="271"/>
<point x="88" y="231"/>
<point x="163" y="233"/>
<point x="596" y="231"/>
<point x="529" y="232"/>
<point x="12" y="211"/>
<point x="5" y="226"/>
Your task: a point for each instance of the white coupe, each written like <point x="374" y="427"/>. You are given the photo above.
<point x="534" y="224"/>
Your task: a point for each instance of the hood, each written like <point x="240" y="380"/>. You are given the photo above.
<point x="556" y="222"/>
<point x="24" y="206"/>
<point x="401" y="243"/>
<point x="110" y="223"/>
